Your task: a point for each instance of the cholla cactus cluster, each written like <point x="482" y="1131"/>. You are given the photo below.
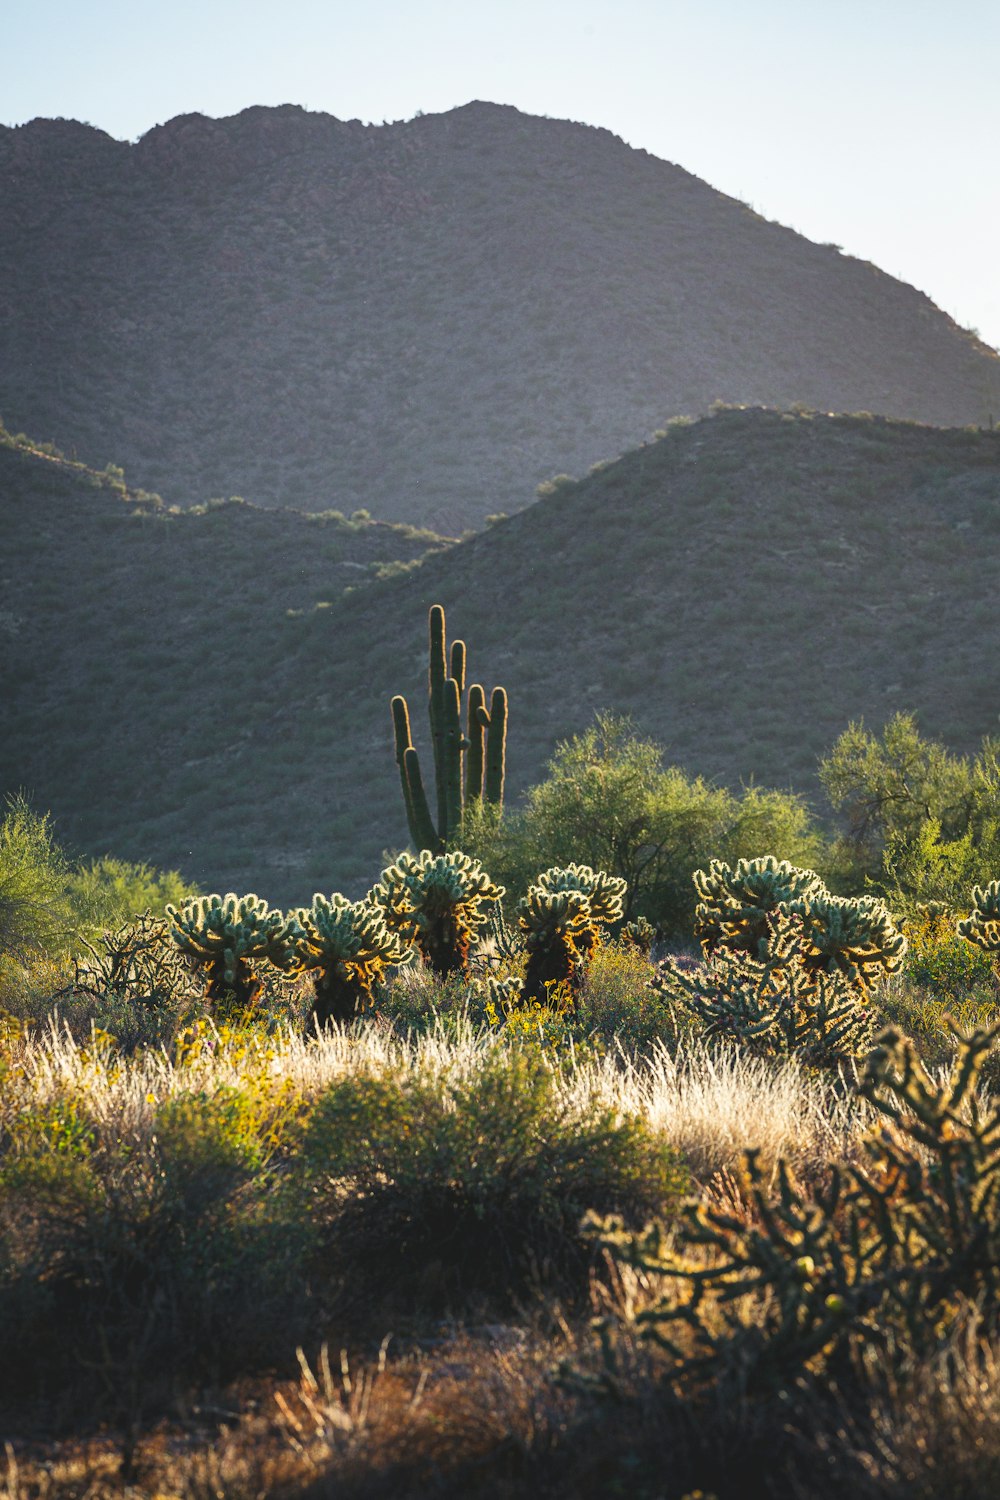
<point x="982" y="926"/>
<point x="226" y="937"/>
<point x="561" y="917"/>
<point x="740" y="906"/>
<point x="898" y="1241"/>
<point x="773" y="1005"/>
<point x="736" y="903"/>
<point x="439" y="902"/>
<point x="855" y="937"/>
<point x="347" y="946"/>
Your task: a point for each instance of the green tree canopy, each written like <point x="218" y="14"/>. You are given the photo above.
<point x="609" y="802"/>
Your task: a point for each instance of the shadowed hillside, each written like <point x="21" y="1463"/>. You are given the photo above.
<point x="426" y="319"/>
<point x="197" y="689"/>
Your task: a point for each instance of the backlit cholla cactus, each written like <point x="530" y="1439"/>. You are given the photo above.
<point x="736" y="903"/>
<point x="893" y="1245"/>
<point x="438" y="902"/>
<point x="561" y="917"/>
<point x="855" y="937"/>
<point x="347" y="947"/>
<point x="740" y="907"/>
<point x="772" y="1005"/>
<point x="982" y="926"/>
<point x="227" y="937"/>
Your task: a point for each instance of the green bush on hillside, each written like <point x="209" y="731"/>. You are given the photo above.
<point x="608" y="802"/>
<point x="36" y="914"/>
<point x="920" y="824"/>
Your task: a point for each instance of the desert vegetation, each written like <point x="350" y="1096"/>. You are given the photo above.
<point x="561" y="1187"/>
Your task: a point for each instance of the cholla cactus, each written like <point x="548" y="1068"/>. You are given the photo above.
<point x="736" y="903"/>
<point x="639" y="934"/>
<point x="225" y="936"/>
<point x="561" y="917"/>
<point x="855" y="937"/>
<point x="982" y="926"/>
<point x="347" y="947"/>
<point x="773" y="1005"/>
<point x="438" y="902"/>
<point x="136" y="964"/>
<point x="895" y="1242"/>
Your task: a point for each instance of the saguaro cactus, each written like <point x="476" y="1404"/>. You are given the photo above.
<point x="469" y="765"/>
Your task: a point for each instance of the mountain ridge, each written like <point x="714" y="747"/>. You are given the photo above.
<point x="426" y="318"/>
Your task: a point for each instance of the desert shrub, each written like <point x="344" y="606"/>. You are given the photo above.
<point x="35" y="912"/>
<point x="608" y="801"/>
<point x="474" y="1185"/>
<point x="619" y="1005"/>
<point x="156" y="1258"/>
<point x="918" y="822"/>
<point x="107" y="893"/>
<point x="944" y="964"/>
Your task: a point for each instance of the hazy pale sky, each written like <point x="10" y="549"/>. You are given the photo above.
<point x="871" y="123"/>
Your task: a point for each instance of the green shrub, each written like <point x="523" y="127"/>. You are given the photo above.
<point x="919" y="822"/>
<point x="474" y="1185"/>
<point x="106" y="893"/>
<point x="943" y="963"/>
<point x="129" y="1267"/>
<point x="35" y="912"/>
<point x="608" y="802"/>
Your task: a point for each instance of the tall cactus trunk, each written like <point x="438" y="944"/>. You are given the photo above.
<point x="467" y="767"/>
<point x="337" y="998"/>
<point x="550" y="969"/>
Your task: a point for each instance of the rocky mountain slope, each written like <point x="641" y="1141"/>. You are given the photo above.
<point x="424" y="319"/>
<point x="200" y="690"/>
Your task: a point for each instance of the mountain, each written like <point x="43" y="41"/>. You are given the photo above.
<point x="199" y="689"/>
<point x="424" y="319"/>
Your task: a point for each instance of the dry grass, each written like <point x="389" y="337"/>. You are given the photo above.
<point x="709" y="1103"/>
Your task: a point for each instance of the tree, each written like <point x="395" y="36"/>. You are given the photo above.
<point x="609" y="802"/>
<point x="918" y="822"/>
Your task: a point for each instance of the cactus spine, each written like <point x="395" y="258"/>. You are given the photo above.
<point x="469" y="765"/>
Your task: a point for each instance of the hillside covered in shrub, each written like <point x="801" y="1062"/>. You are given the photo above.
<point x="425" y="318"/>
<point x="199" y="690"/>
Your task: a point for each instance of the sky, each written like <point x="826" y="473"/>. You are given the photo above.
<point x="872" y="124"/>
